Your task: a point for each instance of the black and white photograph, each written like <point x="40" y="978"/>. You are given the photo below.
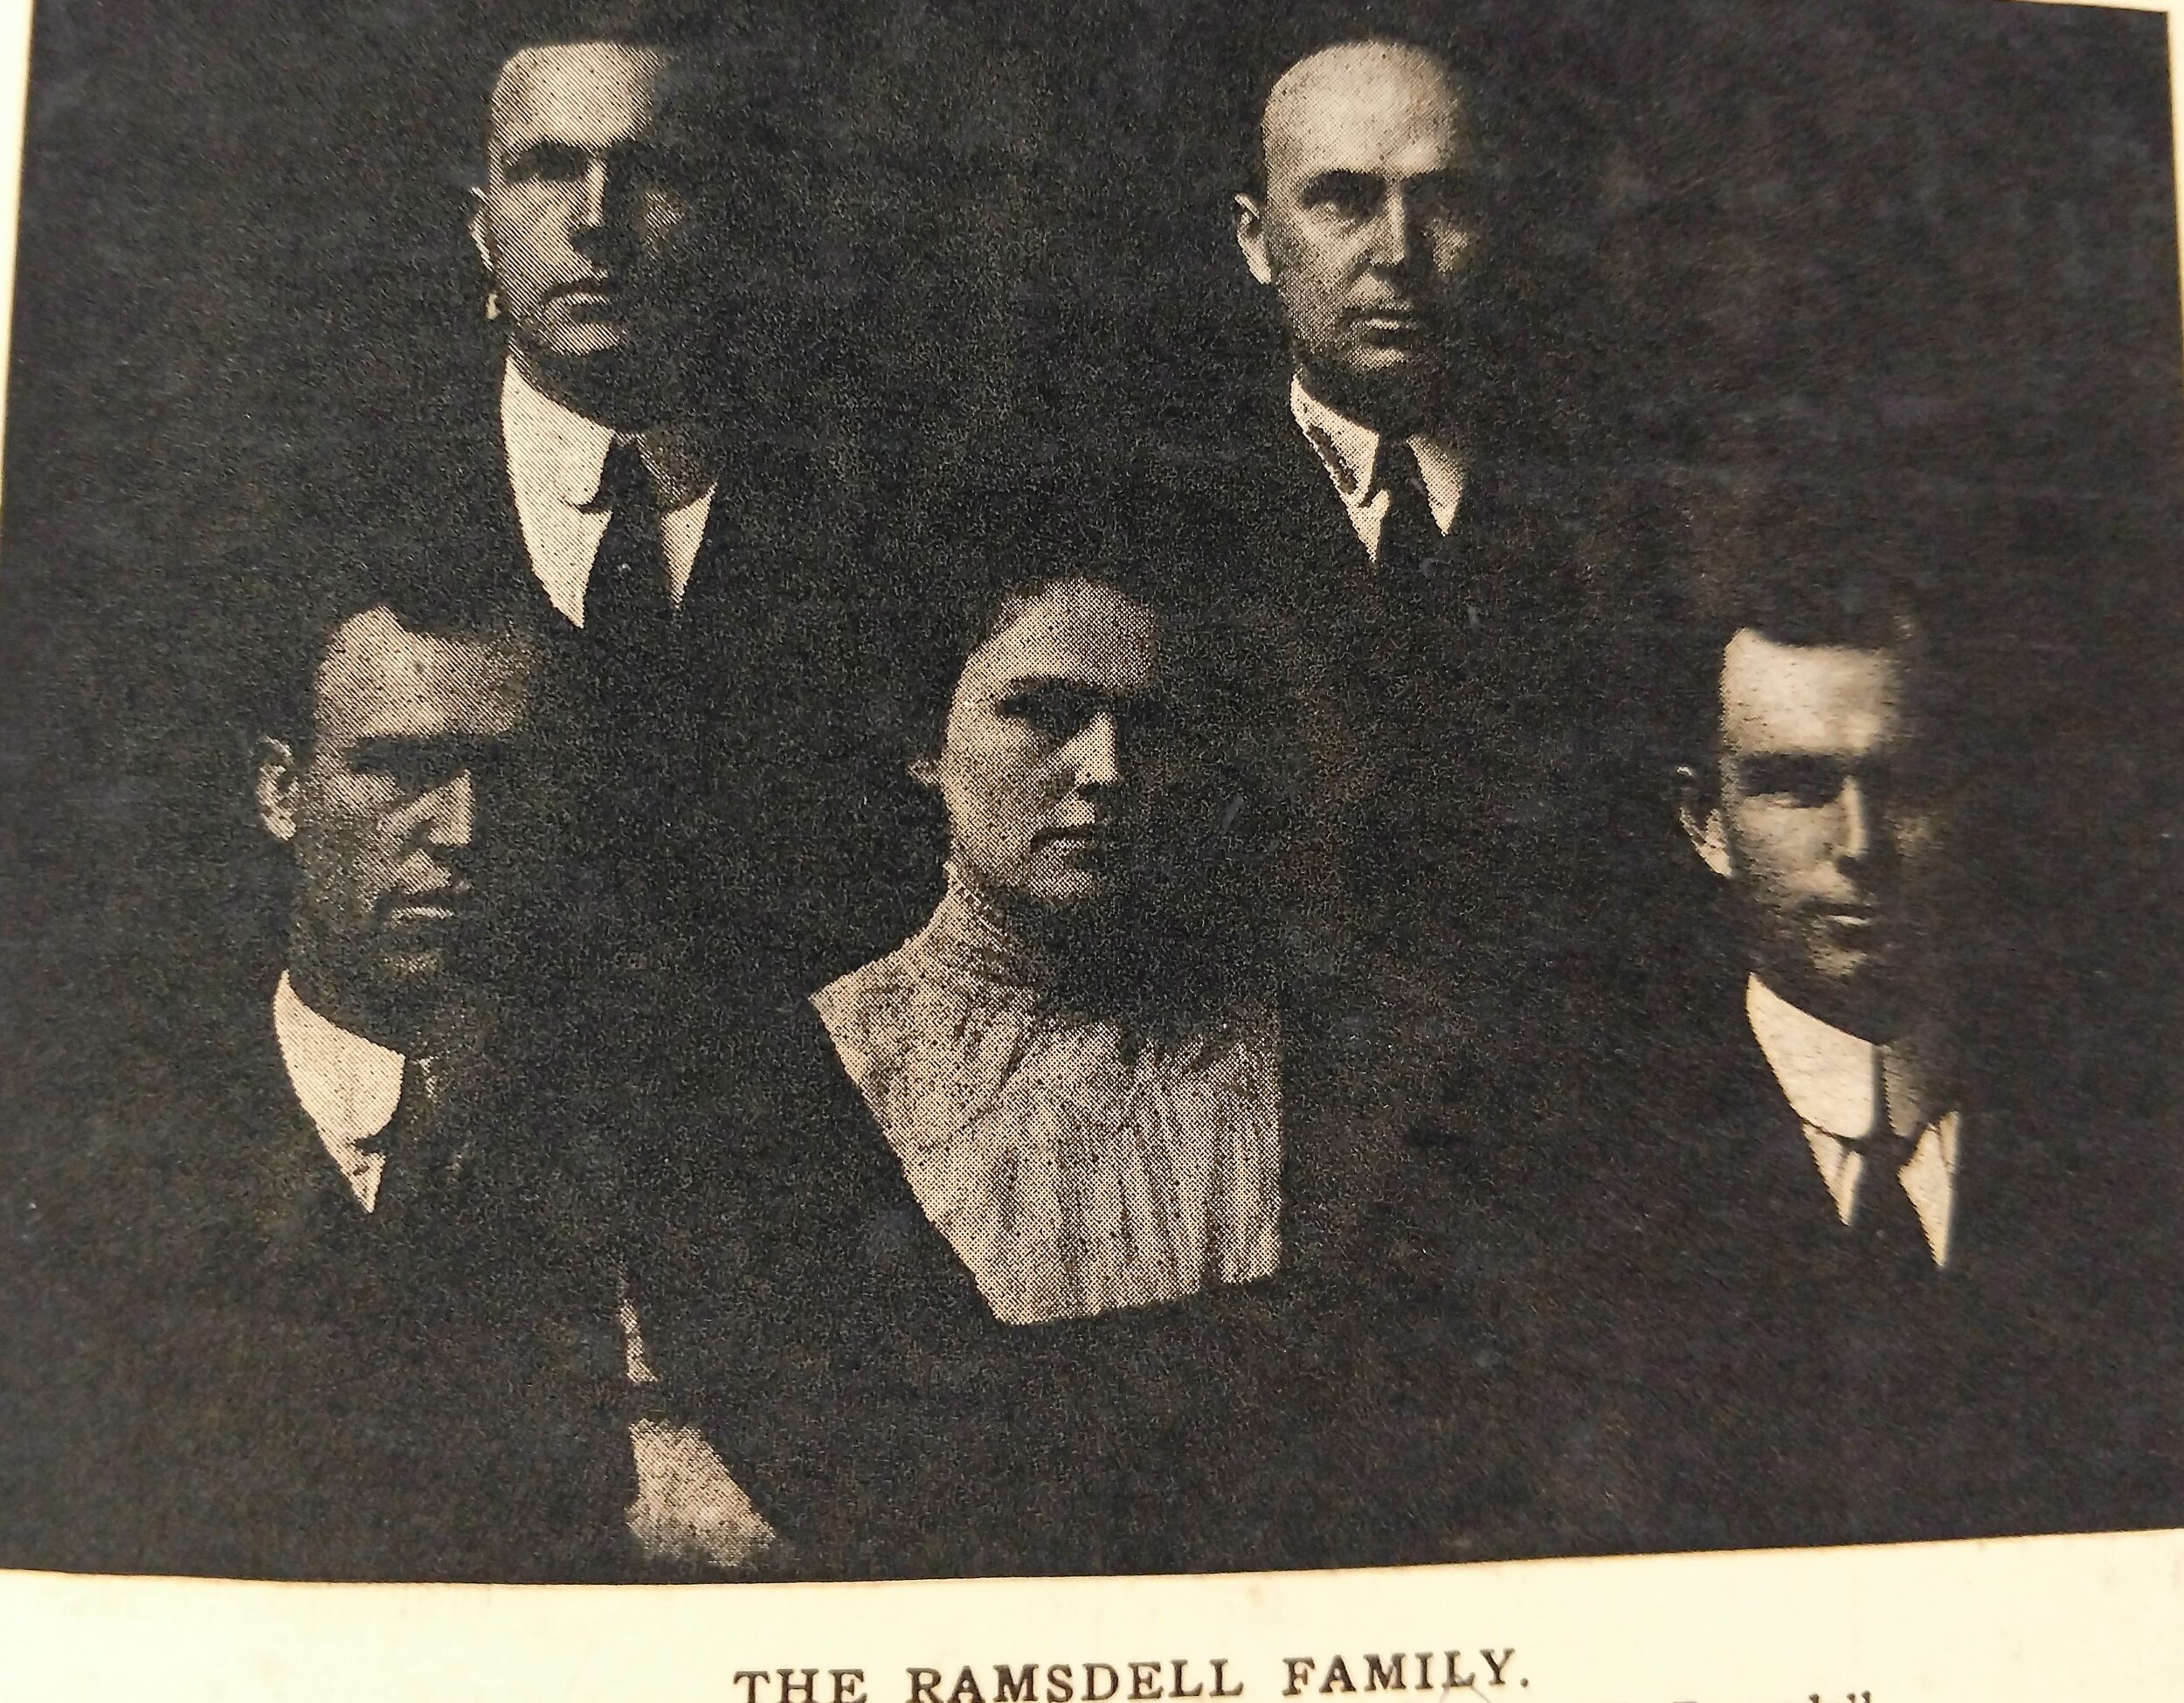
<point x="944" y="789"/>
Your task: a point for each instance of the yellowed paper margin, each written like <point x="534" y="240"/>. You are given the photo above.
<point x="2033" y="1619"/>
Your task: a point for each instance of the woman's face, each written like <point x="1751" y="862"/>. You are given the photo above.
<point x="1060" y="767"/>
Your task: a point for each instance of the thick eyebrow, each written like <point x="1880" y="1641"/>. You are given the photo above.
<point x="1020" y="684"/>
<point x="1048" y="682"/>
<point x="1776" y="761"/>
<point x="646" y="151"/>
<point x="1341" y="182"/>
<point x="461" y="748"/>
<point x="534" y="158"/>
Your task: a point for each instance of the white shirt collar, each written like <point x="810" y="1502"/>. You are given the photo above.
<point x="348" y="1085"/>
<point x="1350" y="452"/>
<point x="1826" y="1074"/>
<point x="551" y="449"/>
<point x="1829" y="1076"/>
<point x="556" y="459"/>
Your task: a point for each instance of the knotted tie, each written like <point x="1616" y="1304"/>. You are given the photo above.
<point x="1409" y="534"/>
<point x="1890" y="1238"/>
<point x="423" y="1163"/>
<point x="628" y="612"/>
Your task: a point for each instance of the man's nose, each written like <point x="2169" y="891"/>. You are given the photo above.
<point x="594" y="195"/>
<point x="1856" y="844"/>
<point x="451" y="821"/>
<point x="1393" y="237"/>
<point x="1098" y="751"/>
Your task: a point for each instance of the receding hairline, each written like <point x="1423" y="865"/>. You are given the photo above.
<point x="1383" y="51"/>
<point x="516" y="643"/>
<point x="1904" y="653"/>
<point x="660" y="53"/>
<point x="1012" y="603"/>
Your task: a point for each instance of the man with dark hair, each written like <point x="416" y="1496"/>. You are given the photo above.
<point x="361" y="1302"/>
<point x="679" y="530"/>
<point x="1846" y="1298"/>
<point x="598" y="223"/>
<point x="1824" y="811"/>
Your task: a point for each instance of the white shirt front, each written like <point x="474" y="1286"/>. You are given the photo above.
<point x="555" y="457"/>
<point x="1829" y="1077"/>
<point x="1351" y="454"/>
<point x="347" y="1086"/>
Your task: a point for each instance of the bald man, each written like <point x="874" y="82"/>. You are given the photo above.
<point x="1367" y="228"/>
<point x="1424" y="572"/>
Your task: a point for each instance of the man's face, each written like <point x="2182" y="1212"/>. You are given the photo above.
<point x="1369" y="230"/>
<point x="1059" y="767"/>
<point x="419" y="747"/>
<point x="1829" y="823"/>
<point x="596" y="194"/>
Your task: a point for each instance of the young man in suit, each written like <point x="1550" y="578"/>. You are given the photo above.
<point x="1856" y="1299"/>
<point x="679" y="522"/>
<point x="362" y="1308"/>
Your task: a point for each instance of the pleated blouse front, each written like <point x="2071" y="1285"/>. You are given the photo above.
<point x="1077" y="1161"/>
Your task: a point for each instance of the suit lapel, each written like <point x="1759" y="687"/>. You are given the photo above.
<point x="1761" y="1209"/>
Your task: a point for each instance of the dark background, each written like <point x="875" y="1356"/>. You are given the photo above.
<point x="1933" y="242"/>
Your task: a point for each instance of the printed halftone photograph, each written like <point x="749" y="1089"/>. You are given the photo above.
<point x="953" y="788"/>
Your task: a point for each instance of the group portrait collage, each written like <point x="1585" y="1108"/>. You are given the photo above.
<point x="944" y="788"/>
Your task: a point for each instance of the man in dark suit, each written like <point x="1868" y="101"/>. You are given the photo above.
<point x="1853" y="1296"/>
<point x="674" y="521"/>
<point x="352" y="1309"/>
<point x="1426" y="551"/>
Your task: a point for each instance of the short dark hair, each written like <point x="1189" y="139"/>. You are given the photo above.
<point x="432" y="589"/>
<point x="978" y="558"/>
<point x="674" y="25"/>
<point x="692" y="35"/>
<point x="1851" y="558"/>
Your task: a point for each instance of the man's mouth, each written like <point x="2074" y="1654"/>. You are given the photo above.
<point x="442" y="905"/>
<point x="1865" y="923"/>
<point x="1390" y="321"/>
<point x="598" y="290"/>
<point x="1083" y="837"/>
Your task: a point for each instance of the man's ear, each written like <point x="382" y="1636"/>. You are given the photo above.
<point x="1698" y="812"/>
<point x="925" y="770"/>
<point x="1251" y="237"/>
<point x="273" y="785"/>
<point x="478" y="238"/>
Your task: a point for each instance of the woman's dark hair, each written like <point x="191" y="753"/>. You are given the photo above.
<point x="981" y="560"/>
<point x="983" y="557"/>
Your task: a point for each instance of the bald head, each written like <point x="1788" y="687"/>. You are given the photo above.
<point x="1355" y="99"/>
<point x="1367" y="226"/>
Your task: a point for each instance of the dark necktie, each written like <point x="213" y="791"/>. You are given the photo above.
<point x="627" y="613"/>
<point x="1883" y="1222"/>
<point x="1409" y="534"/>
<point x="423" y="1164"/>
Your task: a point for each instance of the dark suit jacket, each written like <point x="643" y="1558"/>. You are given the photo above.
<point x="267" y="1383"/>
<point x="801" y="1310"/>
<point x="1463" y="763"/>
<point x="854" y="1380"/>
<point x="1746" y="1385"/>
<point x="746" y="814"/>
